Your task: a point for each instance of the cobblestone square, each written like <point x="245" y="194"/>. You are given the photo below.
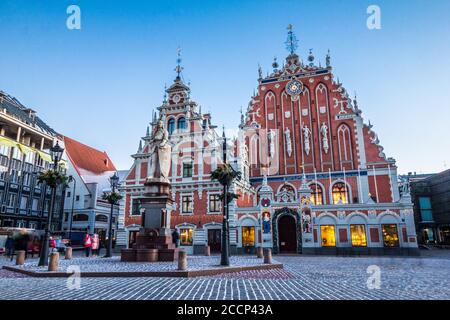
<point x="303" y="278"/>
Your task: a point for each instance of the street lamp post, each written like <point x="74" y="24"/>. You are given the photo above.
<point x="56" y="153"/>
<point x="225" y="257"/>
<point x="114" y="180"/>
<point x="72" y="179"/>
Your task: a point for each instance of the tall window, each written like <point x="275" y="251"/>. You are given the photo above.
<point x="248" y="236"/>
<point x="12" y="200"/>
<point x="390" y="235"/>
<point x="316" y="194"/>
<point x="358" y="234"/>
<point x="186" y="237"/>
<point x="186" y="202"/>
<point x="135" y="207"/>
<point x="339" y="193"/>
<point x="187" y="170"/>
<point x="171" y="125"/>
<point x="182" y="125"/>
<point x="328" y="236"/>
<point x="23" y="202"/>
<point x="214" y="203"/>
<point x="425" y="209"/>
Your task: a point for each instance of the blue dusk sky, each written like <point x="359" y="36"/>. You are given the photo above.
<point x="100" y="84"/>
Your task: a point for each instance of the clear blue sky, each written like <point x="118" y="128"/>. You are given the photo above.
<point x="100" y="84"/>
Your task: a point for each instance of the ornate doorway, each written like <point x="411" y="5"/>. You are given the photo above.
<point x="287" y="231"/>
<point x="287" y="235"/>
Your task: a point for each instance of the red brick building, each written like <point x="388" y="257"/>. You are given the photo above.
<point x="315" y="178"/>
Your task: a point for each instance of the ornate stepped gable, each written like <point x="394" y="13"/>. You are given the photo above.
<point x="311" y="119"/>
<point x="196" y="152"/>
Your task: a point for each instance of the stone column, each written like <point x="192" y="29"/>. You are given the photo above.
<point x="68" y="254"/>
<point x="182" y="260"/>
<point x="267" y="255"/>
<point x="20" y="258"/>
<point x="54" y="261"/>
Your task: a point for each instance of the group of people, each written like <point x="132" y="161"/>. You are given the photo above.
<point x="22" y="241"/>
<point x="92" y="244"/>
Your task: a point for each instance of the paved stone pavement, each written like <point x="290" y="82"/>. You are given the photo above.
<point x="303" y="277"/>
<point x="99" y="264"/>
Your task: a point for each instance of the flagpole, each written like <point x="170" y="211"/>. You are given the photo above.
<point x="330" y="193"/>
<point x="359" y="186"/>
<point x="375" y="180"/>
<point x="390" y="182"/>
<point x="317" y="185"/>
<point x="346" y="193"/>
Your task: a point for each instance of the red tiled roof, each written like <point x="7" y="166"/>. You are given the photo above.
<point x="87" y="158"/>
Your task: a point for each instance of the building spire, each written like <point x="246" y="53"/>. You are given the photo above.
<point x="328" y="59"/>
<point x="178" y="68"/>
<point x="242" y="118"/>
<point x="291" y="42"/>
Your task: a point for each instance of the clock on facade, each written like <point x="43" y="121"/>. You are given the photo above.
<point x="294" y="87"/>
<point x="176" y="98"/>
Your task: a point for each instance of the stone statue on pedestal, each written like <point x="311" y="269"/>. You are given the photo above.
<point x="160" y="152"/>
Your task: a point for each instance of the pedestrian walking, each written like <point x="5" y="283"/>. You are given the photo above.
<point x="95" y="245"/>
<point x="175" y="237"/>
<point x="9" y="246"/>
<point x="87" y="241"/>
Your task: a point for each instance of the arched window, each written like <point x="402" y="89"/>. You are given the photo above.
<point x="101" y="218"/>
<point x="316" y="194"/>
<point x="339" y="193"/>
<point x="182" y="125"/>
<point x="171" y="125"/>
<point x="345" y="144"/>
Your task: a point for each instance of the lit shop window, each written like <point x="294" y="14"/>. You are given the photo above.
<point x="390" y="235"/>
<point x="358" y="234"/>
<point x="186" y="237"/>
<point x="328" y="236"/>
<point x="316" y="194"/>
<point x="340" y="193"/>
<point x="248" y="236"/>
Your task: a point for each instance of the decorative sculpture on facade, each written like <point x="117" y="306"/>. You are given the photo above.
<point x="271" y="135"/>
<point x="287" y="134"/>
<point x="306" y="138"/>
<point x="160" y="153"/>
<point x="324" y="132"/>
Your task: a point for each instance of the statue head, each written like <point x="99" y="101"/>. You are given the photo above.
<point x="160" y="124"/>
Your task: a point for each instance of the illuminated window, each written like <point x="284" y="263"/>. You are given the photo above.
<point x="171" y="125"/>
<point x="186" y="237"/>
<point x="390" y="235"/>
<point x="328" y="236"/>
<point x="340" y="193"/>
<point x="358" y="234"/>
<point x="248" y="236"/>
<point x="316" y="194"/>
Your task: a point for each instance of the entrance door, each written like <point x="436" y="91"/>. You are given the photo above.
<point x="287" y="234"/>
<point x="214" y="239"/>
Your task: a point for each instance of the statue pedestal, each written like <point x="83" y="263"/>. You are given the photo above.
<point x="155" y="234"/>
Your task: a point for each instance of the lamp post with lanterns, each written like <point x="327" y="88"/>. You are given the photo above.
<point x="56" y="153"/>
<point x="114" y="181"/>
